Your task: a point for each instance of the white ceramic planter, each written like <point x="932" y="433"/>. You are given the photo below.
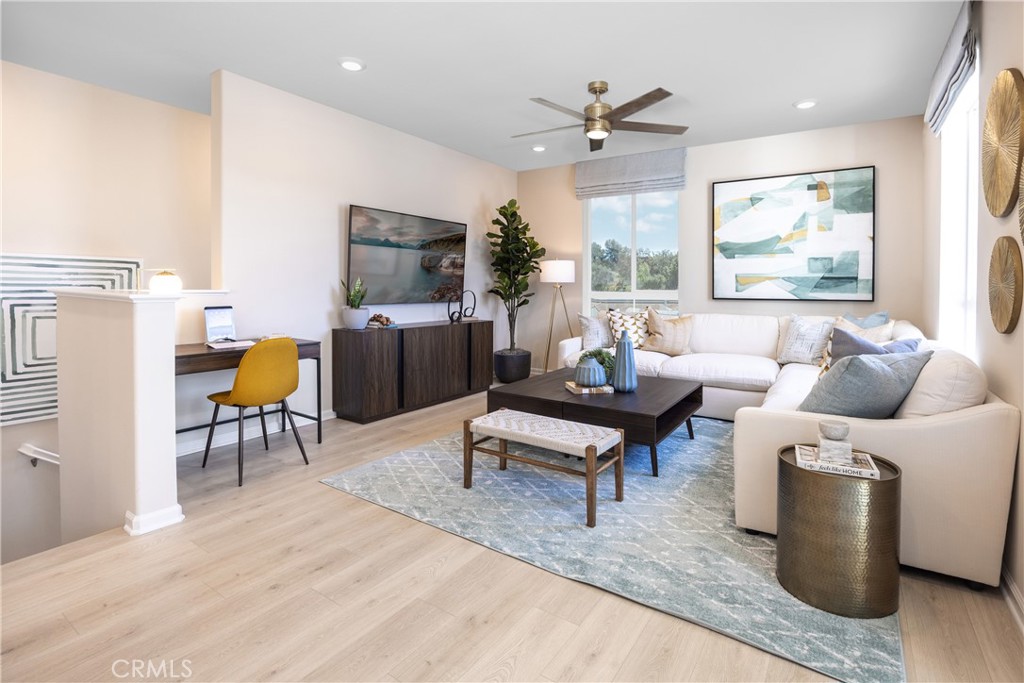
<point x="355" y="318"/>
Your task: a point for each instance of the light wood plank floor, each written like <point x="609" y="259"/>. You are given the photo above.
<point x="287" y="579"/>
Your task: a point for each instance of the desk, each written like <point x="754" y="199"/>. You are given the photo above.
<point x="193" y="358"/>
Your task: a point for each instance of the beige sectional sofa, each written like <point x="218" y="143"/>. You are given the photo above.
<point x="955" y="441"/>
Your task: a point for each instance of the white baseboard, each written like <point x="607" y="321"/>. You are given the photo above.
<point x="1014" y="599"/>
<point x="136" y="525"/>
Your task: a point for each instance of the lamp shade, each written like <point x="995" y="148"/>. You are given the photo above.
<point x="165" y="282"/>
<point x="558" y="271"/>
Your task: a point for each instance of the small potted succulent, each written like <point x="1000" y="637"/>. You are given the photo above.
<point x="354" y="316"/>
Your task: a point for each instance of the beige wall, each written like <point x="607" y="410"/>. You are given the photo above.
<point x="88" y="171"/>
<point x="894" y="147"/>
<point x="1002" y="355"/>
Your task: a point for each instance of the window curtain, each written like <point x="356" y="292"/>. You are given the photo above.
<point x="648" y="172"/>
<point x="955" y="66"/>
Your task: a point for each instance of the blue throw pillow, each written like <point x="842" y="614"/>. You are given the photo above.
<point x="866" y="386"/>
<point x="849" y="344"/>
<point x="873" y="320"/>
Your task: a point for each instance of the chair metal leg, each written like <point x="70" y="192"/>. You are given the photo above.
<point x="241" y="441"/>
<point x="209" y="437"/>
<point x="263" y="423"/>
<point x="291" y="420"/>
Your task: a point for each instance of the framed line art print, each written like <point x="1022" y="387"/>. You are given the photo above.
<point x="804" y="237"/>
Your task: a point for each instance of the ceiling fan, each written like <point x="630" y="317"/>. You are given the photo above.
<point x="598" y="117"/>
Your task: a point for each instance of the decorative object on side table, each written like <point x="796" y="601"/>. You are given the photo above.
<point x="515" y="255"/>
<point x="1001" y="144"/>
<point x="1004" y="284"/>
<point x="832" y="443"/>
<point x="624" y="379"/>
<point x="354" y="317"/>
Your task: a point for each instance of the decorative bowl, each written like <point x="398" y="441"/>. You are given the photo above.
<point x="836" y="430"/>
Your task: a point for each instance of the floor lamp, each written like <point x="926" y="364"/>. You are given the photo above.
<point x="557" y="272"/>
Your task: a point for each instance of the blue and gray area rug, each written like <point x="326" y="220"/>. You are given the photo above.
<point x="671" y="544"/>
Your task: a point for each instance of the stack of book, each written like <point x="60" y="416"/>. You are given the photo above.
<point x="577" y="389"/>
<point x="809" y="458"/>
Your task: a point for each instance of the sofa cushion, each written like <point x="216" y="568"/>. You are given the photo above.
<point x="725" y="370"/>
<point x="806" y="341"/>
<point x="635" y="324"/>
<point x="948" y="382"/>
<point x="752" y="335"/>
<point x="849" y="344"/>
<point x="866" y="386"/>
<point x="668" y="335"/>
<point x="596" y="331"/>
<point x="871" y="320"/>
<point x="791" y="387"/>
<point x="878" y="334"/>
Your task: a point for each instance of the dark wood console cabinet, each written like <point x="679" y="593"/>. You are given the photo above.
<point x="384" y="372"/>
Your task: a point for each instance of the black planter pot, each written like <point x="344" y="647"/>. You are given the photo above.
<point x="511" y="365"/>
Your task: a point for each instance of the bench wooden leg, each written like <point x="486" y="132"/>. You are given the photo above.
<point x="467" y="455"/>
<point x="591" y="486"/>
<point x="503" y="447"/>
<point x="620" y="466"/>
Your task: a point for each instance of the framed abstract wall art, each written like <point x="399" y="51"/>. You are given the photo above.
<point x="808" y="236"/>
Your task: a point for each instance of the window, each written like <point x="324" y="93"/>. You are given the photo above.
<point x="958" y="223"/>
<point x="634" y="250"/>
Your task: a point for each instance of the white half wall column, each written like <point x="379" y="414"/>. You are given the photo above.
<point x="116" y="411"/>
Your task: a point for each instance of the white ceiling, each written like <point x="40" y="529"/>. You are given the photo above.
<point x="461" y="74"/>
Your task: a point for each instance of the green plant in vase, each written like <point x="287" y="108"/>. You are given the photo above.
<point x="602" y="356"/>
<point x="355" y="317"/>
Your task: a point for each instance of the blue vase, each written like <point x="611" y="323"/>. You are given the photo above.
<point x="624" y="377"/>
<point x="590" y="373"/>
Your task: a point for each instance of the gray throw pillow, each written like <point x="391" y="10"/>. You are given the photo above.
<point x="848" y="344"/>
<point x="866" y="386"/>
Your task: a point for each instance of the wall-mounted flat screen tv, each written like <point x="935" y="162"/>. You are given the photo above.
<point x="405" y="259"/>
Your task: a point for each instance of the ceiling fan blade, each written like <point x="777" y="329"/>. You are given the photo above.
<point x="549" y="130"/>
<point x="596" y="144"/>
<point x="639" y="127"/>
<point x="558" y="107"/>
<point x="635" y="105"/>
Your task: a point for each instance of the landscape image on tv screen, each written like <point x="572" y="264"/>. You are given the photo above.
<point x="405" y="259"/>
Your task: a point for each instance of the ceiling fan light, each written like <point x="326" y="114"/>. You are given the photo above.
<point x="597" y="129"/>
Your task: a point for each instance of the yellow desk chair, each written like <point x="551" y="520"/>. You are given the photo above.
<point x="268" y="373"/>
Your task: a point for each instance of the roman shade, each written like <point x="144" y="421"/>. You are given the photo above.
<point x="954" y="68"/>
<point x="648" y="172"/>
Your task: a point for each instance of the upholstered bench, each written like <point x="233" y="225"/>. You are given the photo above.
<point x="562" y="436"/>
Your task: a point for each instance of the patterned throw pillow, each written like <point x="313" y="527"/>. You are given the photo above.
<point x="633" y="323"/>
<point x="873" y="320"/>
<point x="596" y="331"/>
<point x="805" y="341"/>
<point x="668" y="335"/>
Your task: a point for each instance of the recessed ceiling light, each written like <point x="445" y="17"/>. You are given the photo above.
<point x="539" y="148"/>
<point x="805" y="104"/>
<point x="351" y="64"/>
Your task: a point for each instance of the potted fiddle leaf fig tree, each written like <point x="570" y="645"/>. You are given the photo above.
<point x="515" y="255"/>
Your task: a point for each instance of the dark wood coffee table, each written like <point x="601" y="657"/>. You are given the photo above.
<point x="656" y="409"/>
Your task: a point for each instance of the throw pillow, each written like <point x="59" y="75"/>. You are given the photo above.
<point x="950" y="381"/>
<point x="633" y="323"/>
<point x="848" y="344"/>
<point x="596" y="331"/>
<point x="668" y="335"/>
<point x="866" y="386"/>
<point x="878" y="333"/>
<point x="873" y="320"/>
<point x="805" y="341"/>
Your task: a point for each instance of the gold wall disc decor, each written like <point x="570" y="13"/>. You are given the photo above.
<point x="1020" y="204"/>
<point x="1004" y="284"/>
<point x="1001" y="147"/>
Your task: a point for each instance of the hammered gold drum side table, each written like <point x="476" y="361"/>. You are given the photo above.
<point x="839" y="538"/>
